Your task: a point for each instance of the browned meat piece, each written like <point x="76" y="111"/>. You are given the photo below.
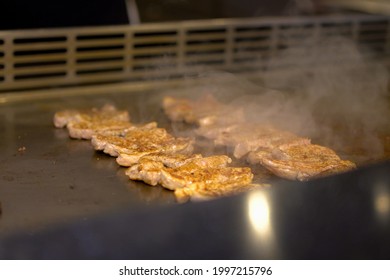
<point x="226" y="126"/>
<point x="139" y="142"/>
<point x="178" y="109"/>
<point x="148" y="171"/>
<point x="107" y="112"/>
<point x="115" y="144"/>
<point x="192" y="176"/>
<point x="197" y="170"/>
<point x="62" y="118"/>
<point x="215" y="131"/>
<point x="283" y="153"/>
<point x="131" y="155"/>
<point x="148" y="168"/>
<point x="204" y="111"/>
<point x="86" y="129"/>
<point x="302" y="162"/>
<point x="240" y="181"/>
<point x="168" y="159"/>
<point x="245" y="138"/>
<point x="190" y="181"/>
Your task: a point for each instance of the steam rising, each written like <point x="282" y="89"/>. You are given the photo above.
<point x="330" y="93"/>
<point x="340" y="98"/>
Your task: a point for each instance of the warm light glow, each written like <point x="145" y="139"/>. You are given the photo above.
<point x="259" y="213"/>
<point x="261" y="234"/>
<point x="382" y="204"/>
<point x="382" y="201"/>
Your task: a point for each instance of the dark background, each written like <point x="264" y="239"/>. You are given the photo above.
<point x="23" y="14"/>
<point x="26" y="14"/>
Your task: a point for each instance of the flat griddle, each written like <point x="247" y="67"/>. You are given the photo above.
<point x="54" y="188"/>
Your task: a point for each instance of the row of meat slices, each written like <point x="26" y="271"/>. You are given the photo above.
<point x="154" y="156"/>
<point x="281" y="152"/>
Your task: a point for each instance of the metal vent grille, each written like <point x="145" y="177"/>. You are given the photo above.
<point x="77" y="56"/>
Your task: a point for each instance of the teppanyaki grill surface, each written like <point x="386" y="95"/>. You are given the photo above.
<point x="338" y="217"/>
<point x="46" y="177"/>
<point x="54" y="188"/>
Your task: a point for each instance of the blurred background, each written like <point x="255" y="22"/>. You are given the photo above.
<point x="24" y="14"/>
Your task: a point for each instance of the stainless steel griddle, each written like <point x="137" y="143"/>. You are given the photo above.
<point x="49" y="178"/>
<point x="61" y="199"/>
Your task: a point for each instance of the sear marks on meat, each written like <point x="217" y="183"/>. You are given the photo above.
<point x="85" y="129"/>
<point x="84" y="124"/>
<point x="153" y="155"/>
<point x="192" y="175"/>
<point x="301" y="162"/>
<point x="234" y="181"/>
<point x="131" y="155"/>
<point x="107" y="112"/>
<point x="148" y="168"/>
<point x="202" y="183"/>
<point x="114" y="144"/>
<point x="198" y="171"/>
<point x="139" y="142"/>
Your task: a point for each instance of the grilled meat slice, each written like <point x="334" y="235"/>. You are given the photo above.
<point x="178" y="109"/>
<point x="204" y="111"/>
<point x="302" y="162"/>
<point x="114" y="144"/>
<point x="62" y="118"/>
<point x="151" y="168"/>
<point x="107" y="112"/>
<point x="192" y="176"/>
<point x="231" y="181"/>
<point x="148" y="168"/>
<point x="215" y="130"/>
<point x="130" y="155"/>
<point x="141" y="141"/>
<point x="189" y="180"/>
<point x="196" y="171"/>
<point x="172" y="160"/>
<point x="86" y="129"/>
<point x="147" y="171"/>
<point x="245" y="138"/>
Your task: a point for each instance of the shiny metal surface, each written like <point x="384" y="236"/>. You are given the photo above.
<point x="340" y="217"/>
<point x="48" y="178"/>
<point x="61" y="199"/>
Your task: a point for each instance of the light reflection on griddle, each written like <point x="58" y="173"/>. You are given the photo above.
<point x="382" y="202"/>
<point x="259" y="214"/>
